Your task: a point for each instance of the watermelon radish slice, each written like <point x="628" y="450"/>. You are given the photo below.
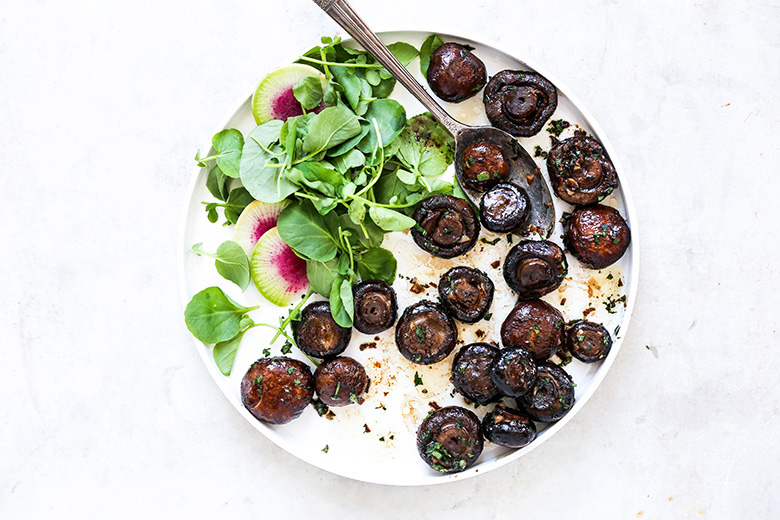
<point x="274" y="98"/>
<point x="279" y="274"/>
<point x="257" y="218"/>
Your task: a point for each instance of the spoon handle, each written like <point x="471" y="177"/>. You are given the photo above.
<point x="343" y="14"/>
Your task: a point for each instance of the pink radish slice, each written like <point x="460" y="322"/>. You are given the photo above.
<point x="279" y="274"/>
<point x="257" y="218"/>
<point x="274" y="98"/>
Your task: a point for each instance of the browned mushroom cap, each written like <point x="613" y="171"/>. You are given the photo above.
<point x="505" y="207"/>
<point x="446" y="226"/>
<point x="484" y="165"/>
<point x="520" y="102"/>
<point x="535" y="325"/>
<point x="535" y="268"/>
<point x="276" y="390"/>
<point x="508" y="427"/>
<point x="375" y="306"/>
<point x="471" y="372"/>
<point x="341" y="381"/>
<point x="551" y="397"/>
<point x="466" y="293"/>
<point x="580" y="171"/>
<point x="587" y="341"/>
<point x="425" y="334"/>
<point x="455" y="74"/>
<point x="450" y="439"/>
<point x="318" y="334"/>
<point x="597" y="235"/>
<point x="513" y="371"/>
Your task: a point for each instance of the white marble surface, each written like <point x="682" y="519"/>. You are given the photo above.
<point x="108" y="411"/>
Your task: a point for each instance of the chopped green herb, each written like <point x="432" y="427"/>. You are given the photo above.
<point x="326" y="449"/>
<point x="609" y="276"/>
<point x="417" y="379"/>
<point x="419" y="333"/>
<point x="266" y="352"/>
<point x="287" y="348"/>
<point x="491" y="242"/>
<point x="488" y="316"/>
<point x="382" y="439"/>
<point x="538" y="152"/>
<point x="557" y="127"/>
<point x="335" y="395"/>
<point x="290" y="370"/>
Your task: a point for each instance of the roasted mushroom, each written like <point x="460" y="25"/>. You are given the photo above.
<point x="484" y="165"/>
<point x="317" y="333"/>
<point x="520" y="102"/>
<point x="597" y="235"/>
<point x="587" y="341"/>
<point x="455" y="74"/>
<point x="505" y="207"/>
<point x="535" y="268"/>
<point x="446" y="226"/>
<point x="551" y="397"/>
<point x="276" y="390"/>
<point x="535" y="325"/>
<point x="580" y="171"/>
<point x="425" y="334"/>
<point x="471" y="372"/>
<point x="466" y="293"/>
<point x="341" y="381"/>
<point x="450" y="439"/>
<point x="375" y="306"/>
<point x="508" y="427"/>
<point x="513" y="371"/>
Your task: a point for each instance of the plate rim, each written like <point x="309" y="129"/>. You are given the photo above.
<point x="477" y="470"/>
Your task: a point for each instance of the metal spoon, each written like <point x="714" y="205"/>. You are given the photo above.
<point x="522" y="169"/>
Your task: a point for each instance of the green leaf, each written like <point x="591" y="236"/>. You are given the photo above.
<point x="308" y="92"/>
<point x="238" y="199"/>
<point x="425" y="146"/>
<point x="213" y="317"/>
<point x="308" y="232"/>
<point x="367" y="236"/>
<point x="357" y="211"/>
<point x="225" y="353"/>
<point x="351" y="159"/>
<point x="430" y="44"/>
<point x="403" y="52"/>
<point x="259" y="175"/>
<point x="231" y="262"/>
<point x="390" y="220"/>
<point x="317" y="176"/>
<point x="321" y="275"/>
<point x="406" y="177"/>
<point x="350" y="83"/>
<point x="350" y="144"/>
<point x="341" y="304"/>
<point x="390" y="117"/>
<point x="329" y="128"/>
<point x="378" y="264"/>
<point x="227" y="145"/>
<point x="216" y="183"/>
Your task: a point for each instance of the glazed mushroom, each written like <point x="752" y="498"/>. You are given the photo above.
<point x="551" y="397"/>
<point x="505" y="207"/>
<point x="471" y="372"/>
<point x="318" y="335"/>
<point x="450" y="439"/>
<point x="466" y="293"/>
<point x="484" y="165"/>
<point x="596" y="235"/>
<point x="520" y="102"/>
<point x="580" y="171"/>
<point x="508" y="427"/>
<point x="535" y="268"/>
<point x="455" y="73"/>
<point x="446" y="226"/>
<point x="587" y="341"/>
<point x="375" y="306"/>
<point x="425" y="334"/>
<point x="513" y="371"/>
<point x="535" y="325"/>
<point x="341" y="381"/>
<point x="276" y="390"/>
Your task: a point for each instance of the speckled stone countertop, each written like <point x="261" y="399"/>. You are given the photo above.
<point x="108" y="410"/>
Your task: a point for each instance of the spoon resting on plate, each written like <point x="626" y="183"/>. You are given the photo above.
<point x="522" y="169"/>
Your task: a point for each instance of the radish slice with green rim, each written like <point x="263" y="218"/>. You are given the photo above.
<point x="257" y="218"/>
<point x="274" y="98"/>
<point x="279" y="274"/>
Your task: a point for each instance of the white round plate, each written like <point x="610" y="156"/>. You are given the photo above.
<point x="375" y="442"/>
